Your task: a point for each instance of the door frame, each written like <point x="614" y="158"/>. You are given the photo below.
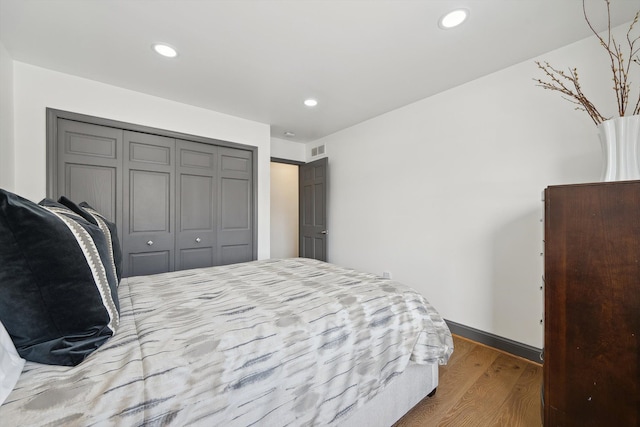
<point x="298" y="164"/>
<point x="300" y="199"/>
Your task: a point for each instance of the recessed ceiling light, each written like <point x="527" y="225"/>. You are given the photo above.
<point x="165" y="50"/>
<point x="289" y="134"/>
<point x="310" y="102"/>
<point x="453" y="19"/>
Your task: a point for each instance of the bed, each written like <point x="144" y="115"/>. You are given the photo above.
<point x="293" y="342"/>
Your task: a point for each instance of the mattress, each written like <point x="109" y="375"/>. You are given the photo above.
<point x="267" y="343"/>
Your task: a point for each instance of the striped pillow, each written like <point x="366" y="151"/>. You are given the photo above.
<point x="58" y="287"/>
<point x="108" y="228"/>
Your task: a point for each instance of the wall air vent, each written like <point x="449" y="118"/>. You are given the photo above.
<point x="317" y="151"/>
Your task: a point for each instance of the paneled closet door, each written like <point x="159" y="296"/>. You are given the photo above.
<point x="196" y="213"/>
<point x="235" y="234"/>
<point x="177" y="204"/>
<point x="149" y="205"/>
<point x="89" y="163"/>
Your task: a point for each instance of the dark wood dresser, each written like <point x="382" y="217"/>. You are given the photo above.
<point x="592" y="305"/>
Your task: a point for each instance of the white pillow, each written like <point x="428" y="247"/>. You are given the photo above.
<point x="11" y="364"/>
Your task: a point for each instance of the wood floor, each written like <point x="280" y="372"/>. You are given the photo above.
<point x="481" y="386"/>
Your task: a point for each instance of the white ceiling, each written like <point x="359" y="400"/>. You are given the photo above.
<point x="260" y="59"/>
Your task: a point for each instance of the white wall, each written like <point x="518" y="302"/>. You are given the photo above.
<point x="36" y="88"/>
<point x="283" y="149"/>
<point x="447" y="196"/>
<point x="6" y="121"/>
<point x="284" y="210"/>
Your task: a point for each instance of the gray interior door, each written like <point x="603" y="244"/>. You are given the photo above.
<point x="148" y="192"/>
<point x="313" y="210"/>
<point x="196" y="212"/>
<point x="89" y="162"/>
<point x="235" y="234"/>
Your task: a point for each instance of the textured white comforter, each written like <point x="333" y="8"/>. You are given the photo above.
<point x="266" y="343"/>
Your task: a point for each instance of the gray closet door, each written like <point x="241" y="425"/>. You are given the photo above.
<point x="177" y="204"/>
<point x="235" y="235"/>
<point x="196" y="201"/>
<point x="89" y="163"/>
<point x="149" y="205"/>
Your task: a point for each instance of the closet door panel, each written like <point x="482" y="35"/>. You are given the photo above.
<point x="236" y="194"/>
<point x="196" y="214"/>
<point x="95" y="185"/>
<point x="195" y="258"/>
<point x="196" y="202"/>
<point x="232" y="254"/>
<point x="149" y="201"/>
<point x="88" y="166"/>
<point x="149" y="204"/>
<point x="235" y="234"/>
<point x="144" y="263"/>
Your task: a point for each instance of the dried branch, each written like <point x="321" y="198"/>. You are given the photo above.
<point x="569" y="84"/>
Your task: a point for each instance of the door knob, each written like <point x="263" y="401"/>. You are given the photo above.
<point x="198" y="240"/>
<point x="324" y="232"/>
<point x="150" y="242"/>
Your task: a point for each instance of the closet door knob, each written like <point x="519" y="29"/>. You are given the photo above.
<point x="150" y="242"/>
<point x="198" y="240"/>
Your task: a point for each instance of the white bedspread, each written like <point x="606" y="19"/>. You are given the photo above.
<point x="268" y="343"/>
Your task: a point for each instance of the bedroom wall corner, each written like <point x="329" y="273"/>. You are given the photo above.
<point x="448" y="197"/>
<point x="7" y="139"/>
<point x="37" y="88"/>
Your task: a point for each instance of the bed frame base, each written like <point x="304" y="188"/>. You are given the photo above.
<point x="402" y="394"/>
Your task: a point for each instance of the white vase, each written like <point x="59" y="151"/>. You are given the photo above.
<point x="620" y="140"/>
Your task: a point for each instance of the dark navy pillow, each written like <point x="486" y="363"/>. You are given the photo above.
<point x="108" y="228"/>
<point x="58" y="293"/>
